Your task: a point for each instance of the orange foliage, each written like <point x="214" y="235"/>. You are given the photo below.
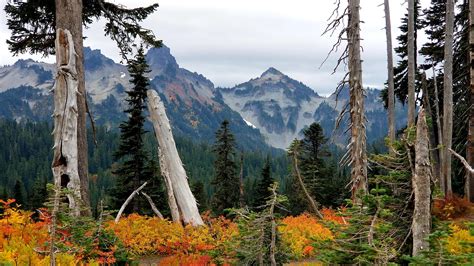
<point x="186" y="260"/>
<point x="300" y="232"/>
<point x="150" y="235"/>
<point x="450" y="208"/>
<point x="331" y="215"/>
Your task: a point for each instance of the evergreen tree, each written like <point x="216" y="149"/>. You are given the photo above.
<point x="133" y="169"/>
<point x="226" y="181"/>
<point x="434" y="20"/>
<point x="197" y="187"/>
<point x="39" y="194"/>
<point x="401" y="70"/>
<point x="262" y="191"/>
<point x="19" y="193"/>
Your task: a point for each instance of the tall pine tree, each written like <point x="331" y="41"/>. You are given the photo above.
<point x="262" y="191"/>
<point x="226" y="181"/>
<point x="134" y="167"/>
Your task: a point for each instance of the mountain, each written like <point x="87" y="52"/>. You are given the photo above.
<point x="282" y="107"/>
<point x="271" y="109"/>
<point x="189" y="97"/>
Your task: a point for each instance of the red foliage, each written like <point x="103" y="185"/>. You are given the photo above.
<point x="451" y="207"/>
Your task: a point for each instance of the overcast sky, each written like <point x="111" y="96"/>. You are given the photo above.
<point x="232" y="41"/>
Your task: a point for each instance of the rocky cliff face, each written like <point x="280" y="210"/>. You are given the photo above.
<point x="282" y="107"/>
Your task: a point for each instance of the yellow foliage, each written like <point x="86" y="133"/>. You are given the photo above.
<point x="301" y="231"/>
<point x="460" y="241"/>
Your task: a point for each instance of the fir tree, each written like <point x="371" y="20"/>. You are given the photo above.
<point x="19" y="193"/>
<point x="262" y="191"/>
<point x="197" y="188"/>
<point x="226" y="181"/>
<point x="39" y="194"/>
<point x="434" y="25"/>
<point x="133" y="169"/>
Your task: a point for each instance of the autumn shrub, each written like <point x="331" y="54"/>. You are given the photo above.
<point x="301" y="232"/>
<point x="450" y="208"/>
<point x="143" y="235"/>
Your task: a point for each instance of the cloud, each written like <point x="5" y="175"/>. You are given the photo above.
<point x="234" y="40"/>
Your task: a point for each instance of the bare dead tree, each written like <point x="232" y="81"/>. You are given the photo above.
<point x="356" y="155"/>
<point x="170" y="163"/>
<point x="421" y="225"/>
<point x="411" y="63"/>
<point x="390" y="79"/>
<point x="469" y="185"/>
<point x="65" y="159"/>
<point x="127" y="201"/>
<point x="241" y="181"/>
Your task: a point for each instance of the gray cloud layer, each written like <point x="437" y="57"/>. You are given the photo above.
<point x="231" y="41"/>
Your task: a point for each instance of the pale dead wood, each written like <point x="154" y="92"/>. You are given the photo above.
<point x="170" y="162"/>
<point x="463" y="161"/>
<point x="65" y="158"/>
<point x="411" y="63"/>
<point x="153" y="206"/>
<point x="390" y="74"/>
<point x="124" y="205"/>
<point x="469" y="184"/>
<point x="421" y="225"/>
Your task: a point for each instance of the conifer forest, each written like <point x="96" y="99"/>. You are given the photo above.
<point x="111" y="153"/>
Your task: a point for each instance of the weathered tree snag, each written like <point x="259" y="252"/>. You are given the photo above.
<point x="153" y="206"/>
<point x="442" y="183"/>
<point x="433" y="151"/>
<point x="390" y="81"/>
<point x="469" y="185"/>
<point x="468" y="167"/>
<point x="127" y="201"/>
<point x="358" y="144"/>
<point x="69" y="16"/>
<point x="169" y="189"/>
<point x="273" y="225"/>
<point x="448" y="96"/>
<point x="411" y="63"/>
<point x="65" y="158"/>
<point x="170" y="162"/>
<point x="421" y="225"/>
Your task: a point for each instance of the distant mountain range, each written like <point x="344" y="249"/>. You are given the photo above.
<point x="272" y="109"/>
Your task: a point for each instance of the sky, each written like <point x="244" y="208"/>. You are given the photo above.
<point x="232" y="41"/>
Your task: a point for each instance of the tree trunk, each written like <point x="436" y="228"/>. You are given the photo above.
<point x="433" y="152"/>
<point x="469" y="185"/>
<point x="170" y="162"/>
<point x="65" y="158"/>
<point x="127" y="201"/>
<point x="448" y="96"/>
<point x="421" y="187"/>
<point x="390" y="81"/>
<point x="69" y="16"/>
<point x="411" y="63"/>
<point x="358" y="135"/>
<point x="441" y="183"/>
<point x="169" y="188"/>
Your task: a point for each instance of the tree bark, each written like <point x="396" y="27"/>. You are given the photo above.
<point x="65" y="157"/>
<point x="170" y="162"/>
<point x="441" y="183"/>
<point x="448" y="96"/>
<point x="469" y="185"/>
<point x="390" y="81"/>
<point x="358" y="132"/>
<point x="411" y="63"/>
<point x="421" y="187"/>
<point x="69" y="16"/>
<point x="153" y="206"/>
<point x="432" y="142"/>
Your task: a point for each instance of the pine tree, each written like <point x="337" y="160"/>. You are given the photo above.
<point x="434" y="20"/>
<point x="19" y="193"/>
<point x="226" y="181"/>
<point x="133" y="169"/>
<point x="262" y="191"/>
<point x="401" y="70"/>
<point x="197" y="187"/>
<point x="39" y="194"/>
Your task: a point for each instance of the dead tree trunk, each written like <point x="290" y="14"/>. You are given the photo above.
<point x="65" y="158"/>
<point x="469" y="185"/>
<point x="448" y="96"/>
<point x="127" y="201"/>
<point x="170" y="162"/>
<point x="433" y="152"/>
<point x="421" y="187"/>
<point x="358" y="144"/>
<point x="69" y="16"/>
<point x="442" y="183"/>
<point x="411" y="63"/>
<point x="390" y="81"/>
